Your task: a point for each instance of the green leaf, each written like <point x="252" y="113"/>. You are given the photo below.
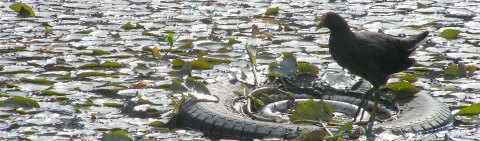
<point x="100" y="52"/>
<point x="201" y="65"/>
<point x="37" y="81"/>
<point x="169" y="38"/>
<point x="311" y="110"/>
<point x="93" y="73"/>
<point x="19" y="102"/>
<point x="252" y="54"/>
<point x="272" y="11"/>
<point x="258" y="102"/>
<point x="54" y="93"/>
<point x="347" y="127"/>
<point x="196" y="86"/>
<point x="307" y="68"/>
<point x="232" y="41"/>
<point x="449" y="33"/>
<point x="157" y="124"/>
<point x="116" y="136"/>
<point x="188" y="44"/>
<point x="473" y="109"/>
<point x="20" y="7"/>
<point x="178" y="87"/>
<point x="109" y="64"/>
<point x="403" y="89"/>
<point x="409" y="77"/>
<point x="48" y="30"/>
<point x="315" y="135"/>
<point x="128" y="26"/>
<point x="214" y="60"/>
<point x="177" y="63"/>
<point x="286" y="68"/>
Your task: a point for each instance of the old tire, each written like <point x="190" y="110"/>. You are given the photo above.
<point x="218" y="119"/>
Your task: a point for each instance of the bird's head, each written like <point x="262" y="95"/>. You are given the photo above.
<point x="330" y="20"/>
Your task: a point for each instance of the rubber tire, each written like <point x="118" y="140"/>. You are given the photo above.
<point x="219" y="119"/>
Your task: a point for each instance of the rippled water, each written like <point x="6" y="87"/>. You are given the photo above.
<point x="81" y="28"/>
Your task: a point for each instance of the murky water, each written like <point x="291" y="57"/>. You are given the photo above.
<point x="87" y="34"/>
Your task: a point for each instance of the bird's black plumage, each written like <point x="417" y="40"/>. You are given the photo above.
<point x="372" y="56"/>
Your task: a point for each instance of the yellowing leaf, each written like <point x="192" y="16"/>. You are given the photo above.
<point x="156" y="53"/>
<point x="20" y="7"/>
<point x="201" y="65"/>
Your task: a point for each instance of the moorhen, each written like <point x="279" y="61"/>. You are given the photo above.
<point x="370" y="55"/>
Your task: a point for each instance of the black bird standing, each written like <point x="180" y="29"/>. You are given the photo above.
<point x="372" y="56"/>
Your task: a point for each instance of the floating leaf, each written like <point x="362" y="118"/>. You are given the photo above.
<point x="214" y="60"/>
<point x="54" y="93"/>
<point x="311" y="110"/>
<point x="286" y="68"/>
<point x="177" y="63"/>
<point x="19" y="102"/>
<point x="197" y="86"/>
<point x="156" y="53"/>
<point x="450" y="33"/>
<point x="157" y="124"/>
<point x="115" y="136"/>
<point x="201" y="65"/>
<point x="37" y="81"/>
<point x="272" y="11"/>
<point x="88" y="31"/>
<point x="100" y="52"/>
<point x="128" y="26"/>
<point x="409" y="77"/>
<point x="307" y="68"/>
<point x="473" y="109"/>
<point x="188" y="44"/>
<point x="48" y="30"/>
<point x="109" y="64"/>
<point x="90" y="65"/>
<point x="403" y="89"/>
<point x="23" y="8"/>
<point x="93" y="73"/>
<point x="108" y="104"/>
<point x="178" y="87"/>
<point x="232" y="41"/>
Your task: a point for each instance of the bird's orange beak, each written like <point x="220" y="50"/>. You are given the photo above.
<point x="321" y="23"/>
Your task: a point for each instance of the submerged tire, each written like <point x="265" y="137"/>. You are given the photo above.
<point x="218" y="119"/>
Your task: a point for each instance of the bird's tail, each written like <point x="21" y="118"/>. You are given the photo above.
<point x="416" y="40"/>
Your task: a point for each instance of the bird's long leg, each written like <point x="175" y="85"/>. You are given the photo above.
<point x="376" y="97"/>
<point x="363" y="104"/>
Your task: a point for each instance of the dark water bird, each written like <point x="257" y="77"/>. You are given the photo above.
<point x="370" y="55"/>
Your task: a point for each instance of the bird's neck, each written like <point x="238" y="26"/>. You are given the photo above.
<point x="340" y="29"/>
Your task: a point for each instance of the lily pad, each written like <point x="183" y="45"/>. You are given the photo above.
<point x="307" y="68"/>
<point x="272" y="11"/>
<point x="178" y="87"/>
<point x="201" y="65"/>
<point x="116" y="136"/>
<point x="37" y="81"/>
<point x="23" y="8"/>
<point x="197" y="86"/>
<point x="311" y="110"/>
<point x="214" y="60"/>
<point x="403" y="89"/>
<point x="109" y="64"/>
<point x="473" y="109"/>
<point x="157" y="124"/>
<point x="128" y="26"/>
<point x="20" y="102"/>
<point x="177" y="63"/>
<point x="450" y="33"/>
<point x="287" y="68"/>
<point x="100" y="52"/>
<point x="53" y="93"/>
